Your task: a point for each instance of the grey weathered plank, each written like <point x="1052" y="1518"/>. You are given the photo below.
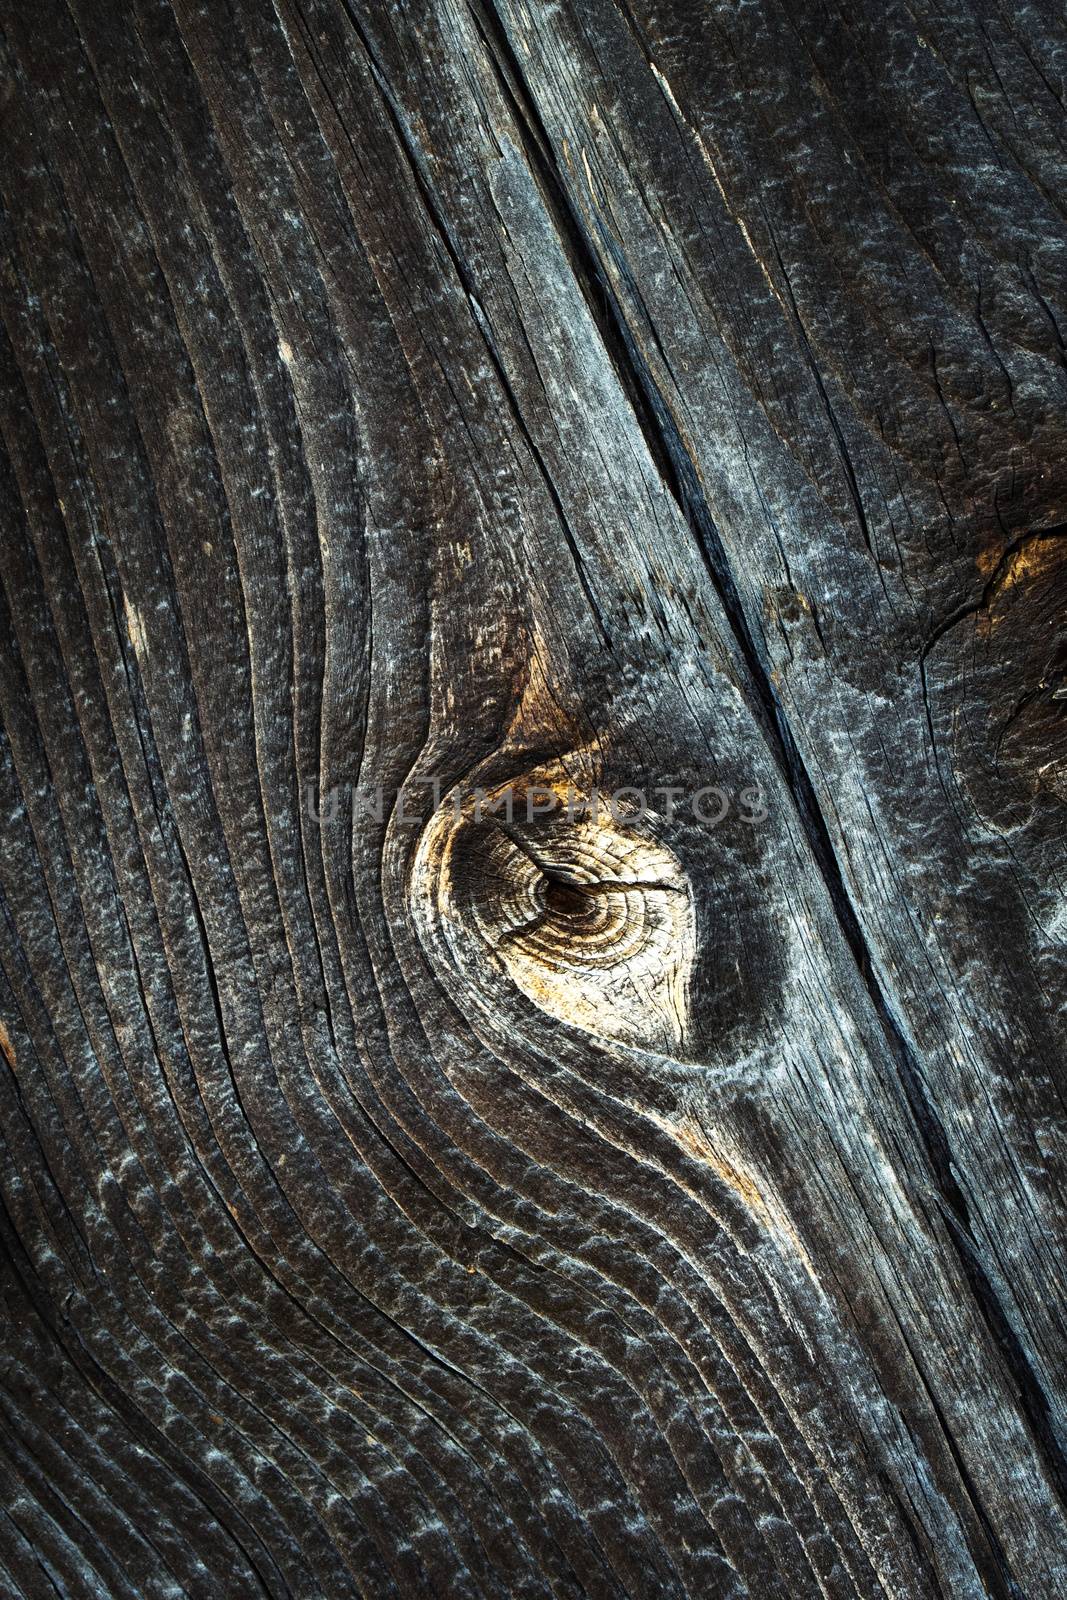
<point x="610" y="395"/>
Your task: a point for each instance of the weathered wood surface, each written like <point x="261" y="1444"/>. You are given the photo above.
<point x="618" y="392"/>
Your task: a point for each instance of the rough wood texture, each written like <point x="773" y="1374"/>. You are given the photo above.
<point x="535" y="398"/>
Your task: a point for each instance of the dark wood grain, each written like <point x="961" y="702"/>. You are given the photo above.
<point x="404" y="403"/>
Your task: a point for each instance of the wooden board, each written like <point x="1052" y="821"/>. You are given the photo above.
<point x="624" y="412"/>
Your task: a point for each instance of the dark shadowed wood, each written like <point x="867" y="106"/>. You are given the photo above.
<point x="489" y="403"/>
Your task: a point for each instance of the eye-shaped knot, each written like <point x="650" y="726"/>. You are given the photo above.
<point x="587" y="916"/>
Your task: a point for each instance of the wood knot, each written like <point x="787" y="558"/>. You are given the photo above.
<point x="588" y="916"/>
<point x="997" y="686"/>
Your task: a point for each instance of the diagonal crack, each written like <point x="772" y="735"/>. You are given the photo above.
<point x="680" y="474"/>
